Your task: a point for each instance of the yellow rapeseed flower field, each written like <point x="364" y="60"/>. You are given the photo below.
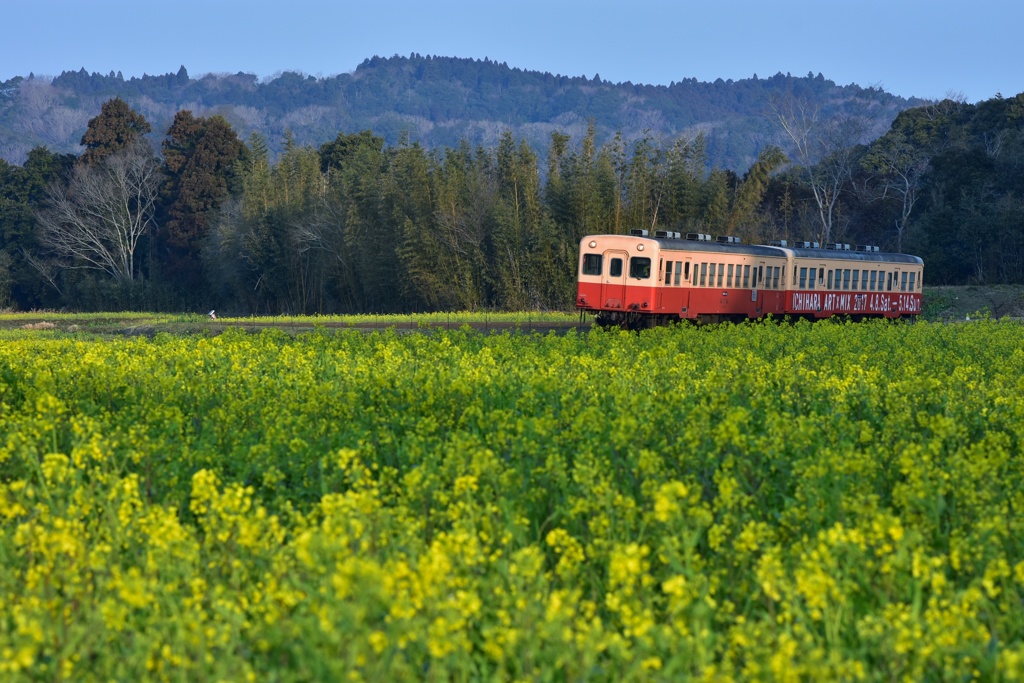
<point x="735" y="503"/>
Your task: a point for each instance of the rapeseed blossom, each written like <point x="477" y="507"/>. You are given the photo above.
<point x="753" y="502"/>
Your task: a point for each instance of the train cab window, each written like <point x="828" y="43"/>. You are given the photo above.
<point x="668" y="273"/>
<point x="679" y="271"/>
<point x="640" y="267"/>
<point x="775" y="279"/>
<point x="728" y="276"/>
<point x="856" y="279"/>
<point x="746" y="277"/>
<point x="591" y="264"/>
<point x="903" y="282"/>
<point x="803" y="278"/>
<point x="912" y="282"/>
<point x="703" y="274"/>
<point x="615" y="268"/>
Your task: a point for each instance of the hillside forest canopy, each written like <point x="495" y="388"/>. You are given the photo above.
<point x="193" y="216"/>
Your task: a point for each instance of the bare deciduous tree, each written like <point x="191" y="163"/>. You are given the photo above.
<point x="99" y="217"/>
<point x="824" y="147"/>
<point x="900" y="166"/>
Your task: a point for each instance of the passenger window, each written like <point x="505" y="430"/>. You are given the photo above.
<point x="856" y="279"/>
<point x="746" y="277"/>
<point x="721" y="272"/>
<point x="811" y="279"/>
<point x="640" y="267"/>
<point x="864" y="279"/>
<point x="873" y="274"/>
<point x="703" y="274"/>
<point x="846" y="278"/>
<point x="679" y="271"/>
<point x="903" y="282"/>
<point x="803" y="278"/>
<point x="829" y="286"/>
<point x="729" y="276"/>
<point x="776" y="278"/>
<point x="615" y="268"/>
<point x="668" y="273"/>
<point x="912" y="282"/>
<point x="591" y="264"/>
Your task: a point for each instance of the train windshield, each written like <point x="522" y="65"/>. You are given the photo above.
<point x="640" y="268"/>
<point x="591" y="264"/>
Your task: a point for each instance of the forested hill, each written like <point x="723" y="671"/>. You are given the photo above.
<point x="436" y="101"/>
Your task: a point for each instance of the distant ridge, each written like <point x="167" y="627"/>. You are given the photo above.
<point x="433" y="101"/>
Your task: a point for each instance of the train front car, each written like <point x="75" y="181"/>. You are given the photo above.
<point x="616" y="281"/>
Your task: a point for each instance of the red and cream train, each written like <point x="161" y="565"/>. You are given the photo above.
<point x="638" y="281"/>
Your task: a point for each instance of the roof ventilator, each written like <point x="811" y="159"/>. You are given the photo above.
<point x="637" y="232"/>
<point x="728" y="239"/>
<point x="698" y="237"/>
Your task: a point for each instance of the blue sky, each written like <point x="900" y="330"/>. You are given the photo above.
<point x="908" y="47"/>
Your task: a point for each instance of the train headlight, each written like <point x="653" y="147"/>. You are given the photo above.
<point x="639" y="247"/>
<point x="593" y="243"/>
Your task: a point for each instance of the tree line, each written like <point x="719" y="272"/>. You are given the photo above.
<point x="206" y="220"/>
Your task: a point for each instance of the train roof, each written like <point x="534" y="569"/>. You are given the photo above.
<point x="767" y="251"/>
<point x="718" y="248"/>
<point x="866" y="256"/>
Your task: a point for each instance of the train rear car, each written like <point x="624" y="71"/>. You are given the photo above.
<point x="859" y="282"/>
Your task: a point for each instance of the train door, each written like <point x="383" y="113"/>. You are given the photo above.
<point x="613" y="284"/>
<point x="687" y="278"/>
<point x="659" y="292"/>
<point x="757" y="281"/>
